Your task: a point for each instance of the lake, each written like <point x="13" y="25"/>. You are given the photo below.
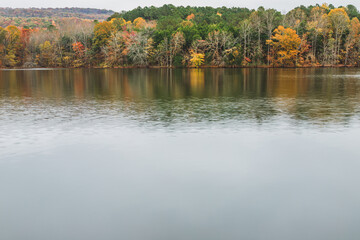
<point x="183" y="154"/>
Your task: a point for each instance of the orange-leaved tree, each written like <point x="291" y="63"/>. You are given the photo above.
<point x="79" y="51"/>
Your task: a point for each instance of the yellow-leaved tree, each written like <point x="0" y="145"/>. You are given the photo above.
<point x="118" y="23"/>
<point x="12" y="46"/>
<point x="352" y="45"/>
<point x="285" y="44"/>
<point x="139" y="23"/>
<point x="47" y="56"/>
<point x="197" y="59"/>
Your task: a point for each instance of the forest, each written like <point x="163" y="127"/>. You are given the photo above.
<point x="170" y="36"/>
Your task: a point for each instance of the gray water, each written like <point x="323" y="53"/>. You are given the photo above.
<point x="146" y="154"/>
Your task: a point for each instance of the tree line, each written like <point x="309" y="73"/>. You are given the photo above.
<point x="170" y="36"/>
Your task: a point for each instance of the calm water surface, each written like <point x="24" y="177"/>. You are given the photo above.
<point x="146" y="154"/>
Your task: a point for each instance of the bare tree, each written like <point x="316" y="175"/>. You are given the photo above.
<point x="340" y="22"/>
<point x="294" y="18"/>
<point x="139" y="48"/>
<point x="269" y="17"/>
<point x="115" y="50"/>
<point x="176" y="44"/>
<point x="217" y="43"/>
<point x="317" y="25"/>
<point x="256" y="23"/>
<point x="245" y="28"/>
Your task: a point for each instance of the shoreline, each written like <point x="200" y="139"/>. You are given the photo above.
<point x="201" y="67"/>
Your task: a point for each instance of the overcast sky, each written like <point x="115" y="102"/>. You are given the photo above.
<point x="118" y="5"/>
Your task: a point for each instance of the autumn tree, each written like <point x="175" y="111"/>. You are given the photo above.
<point x="285" y="44"/>
<point x="116" y="50"/>
<point x="197" y="59"/>
<point x="12" y="46"/>
<point x="2" y="44"/>
<point x="139" y="23"/>
<point x="102" y="33"/>
<point x="190" y="17"/>
<point x="318" y="25"/>
<point x="352" y="45"/>
<point x="118" y="23"/>
<point x="47" y="57"/>
<point x="79" y="50"/>
<point x="305" y="57"/>
<point x="340" y="22"/>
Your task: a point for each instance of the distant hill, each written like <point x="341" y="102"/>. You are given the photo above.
<point x="85" y="13"/>
<point x="43" y="17"/>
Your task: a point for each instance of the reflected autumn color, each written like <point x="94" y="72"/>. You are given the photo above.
<point x="177" y="95"/>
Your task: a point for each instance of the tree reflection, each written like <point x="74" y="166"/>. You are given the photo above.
<point x="315" y="96"/>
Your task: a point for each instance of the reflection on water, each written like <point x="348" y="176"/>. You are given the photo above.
<point x="161" y="154"/>
<point x="168" y="97"/>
